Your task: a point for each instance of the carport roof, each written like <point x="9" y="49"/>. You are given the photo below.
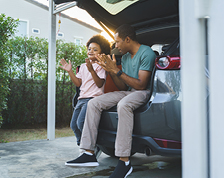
<point x="66" y="16"/>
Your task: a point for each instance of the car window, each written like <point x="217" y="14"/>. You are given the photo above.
<point x="115" y="6"/>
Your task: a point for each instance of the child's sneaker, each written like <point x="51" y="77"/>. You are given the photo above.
<point x="86" y="159"/>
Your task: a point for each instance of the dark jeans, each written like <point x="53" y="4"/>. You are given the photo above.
<point x="78" y="118"/>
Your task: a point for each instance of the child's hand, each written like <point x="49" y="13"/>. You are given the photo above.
<point x="65" y="65"/>
<point x="89" y="65"/>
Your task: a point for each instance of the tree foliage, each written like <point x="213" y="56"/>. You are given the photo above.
<point x="24" y="74"/>
<point x="28" y="71"/>
<point x="7" y="29"/>
<point x="29" y="57"/>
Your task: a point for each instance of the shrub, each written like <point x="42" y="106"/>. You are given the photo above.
<point x="28" y="71"/>
<point x="7" y="29"/>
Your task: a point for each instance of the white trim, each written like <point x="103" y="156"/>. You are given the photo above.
<point x="64" y="6"/>
<point x="27" y="27"/>
<point x="78" y="38"/>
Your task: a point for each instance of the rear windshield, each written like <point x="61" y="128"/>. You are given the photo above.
<point x="115" y="6"/>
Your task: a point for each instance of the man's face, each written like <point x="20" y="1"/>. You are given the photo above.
<point x="120" y="44"/>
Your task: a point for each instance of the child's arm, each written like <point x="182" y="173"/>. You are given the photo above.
<point x="68" y="68"/>
<point x="98" y="81"/>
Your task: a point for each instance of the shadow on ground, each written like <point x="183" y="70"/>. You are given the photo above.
<point x="158" y="169"/>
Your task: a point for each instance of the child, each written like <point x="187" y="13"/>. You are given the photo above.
<point x="90" y="78"/>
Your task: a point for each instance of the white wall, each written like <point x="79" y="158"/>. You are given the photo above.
<point x="37" y="17"/>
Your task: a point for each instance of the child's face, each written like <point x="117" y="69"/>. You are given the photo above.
<point x="92" y="50"/>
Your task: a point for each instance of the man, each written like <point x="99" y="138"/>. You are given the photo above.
<point x="133" y="83"/>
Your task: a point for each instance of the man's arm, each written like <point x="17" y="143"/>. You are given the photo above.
<point x="138" y="84"/>
<point x="110" y="66"/>
<point x="123" y="81"/>
<point x="118" y="82"/>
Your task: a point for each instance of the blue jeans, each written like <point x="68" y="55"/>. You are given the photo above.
<point x="78" y="118"/>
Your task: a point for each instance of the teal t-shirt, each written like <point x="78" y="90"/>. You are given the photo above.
<point x="144" y="59"/>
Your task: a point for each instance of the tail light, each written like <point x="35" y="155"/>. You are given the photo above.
<point x="168" y="143"/>
<point x="167" y="62"/>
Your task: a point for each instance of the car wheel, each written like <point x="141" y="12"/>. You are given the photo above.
<point x="110" y="151"/>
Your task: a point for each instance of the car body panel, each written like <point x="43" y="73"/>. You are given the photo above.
<point x="157" y="124"/>
<point x="160" y="116"/>
<point x="155" y="21"/>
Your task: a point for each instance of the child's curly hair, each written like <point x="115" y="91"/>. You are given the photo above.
<point x="102" y="42"/>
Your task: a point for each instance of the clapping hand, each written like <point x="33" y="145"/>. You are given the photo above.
<point x="66" y="66"/>
<point x="89" y="65"/>
<point x="107" y="63"/>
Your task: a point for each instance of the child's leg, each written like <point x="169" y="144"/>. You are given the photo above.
<point x="82" y="114"/>
<point x="73" y="123"/>
<point x="79" y="117"/>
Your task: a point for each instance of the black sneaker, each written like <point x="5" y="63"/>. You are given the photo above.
<point x="121" y="170"/>
<point x="84" y="160"/>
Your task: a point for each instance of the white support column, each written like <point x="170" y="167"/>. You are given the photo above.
<point x="216" y="60"/>
<point x="51" y="74"/>
<point x="194" y="122"/>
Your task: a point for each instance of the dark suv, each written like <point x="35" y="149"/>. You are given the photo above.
<point x="157" y="124"/>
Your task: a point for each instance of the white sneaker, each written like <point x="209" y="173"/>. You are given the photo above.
<point x="97" y="152"/>
<point x="81" y="151"/>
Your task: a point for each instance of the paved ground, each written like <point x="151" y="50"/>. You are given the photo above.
<point x="45" y="159"/>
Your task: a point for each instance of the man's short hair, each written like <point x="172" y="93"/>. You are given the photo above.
<point x="126" y="30"/>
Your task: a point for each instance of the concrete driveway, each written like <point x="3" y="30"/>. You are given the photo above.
<point x="45" y="159"/>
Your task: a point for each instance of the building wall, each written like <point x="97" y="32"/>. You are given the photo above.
<point x="36" y="16"/>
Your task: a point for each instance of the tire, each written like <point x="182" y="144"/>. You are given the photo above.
<point x="110" y="151"/>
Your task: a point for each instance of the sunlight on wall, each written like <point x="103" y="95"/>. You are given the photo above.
<point x="82" y="15"/>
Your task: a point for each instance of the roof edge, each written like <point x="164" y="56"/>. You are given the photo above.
<point x="65" y="16"/>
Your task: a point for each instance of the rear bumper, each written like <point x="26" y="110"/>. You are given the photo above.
<point x="139" y="144"/>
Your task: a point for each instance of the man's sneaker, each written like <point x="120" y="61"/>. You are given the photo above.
<point x="121" y="170"/>
<point x="84" y="160"/>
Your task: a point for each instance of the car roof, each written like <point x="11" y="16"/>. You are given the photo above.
<point x="155" y="21"/>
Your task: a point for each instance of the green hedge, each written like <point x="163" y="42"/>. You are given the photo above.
<point x="27" y="104"/>
<point x="7" y="28"/>
<point x="28" y="73"/>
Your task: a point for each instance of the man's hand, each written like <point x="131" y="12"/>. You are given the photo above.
<point x="65" y="65"/>
<point x="107" y="63"/>
<point x="89" y="65"/>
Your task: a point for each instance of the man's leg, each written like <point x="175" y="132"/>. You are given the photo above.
<point x="125" y="110"/>
<point x="124" y="131"/>
<point x="93" y="115"/>
<point x="89" y="134"/>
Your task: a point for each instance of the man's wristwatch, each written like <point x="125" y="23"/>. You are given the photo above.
<point x="119" y="73"/>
